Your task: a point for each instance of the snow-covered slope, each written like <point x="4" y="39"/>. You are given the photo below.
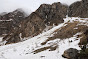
<point x="32" y="48"/>
<point x="27" y="5"/>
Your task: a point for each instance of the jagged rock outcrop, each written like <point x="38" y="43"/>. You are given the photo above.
<point x="70" y="53"/>
<point x="52" y="14"/>
<point x="10" y="20"/>
<point x="16" y="16"/>
<point x="85" y="2"/>
<point x="31" y="26"/>
<point x="36" y="21"/>
<point x="78" y="9"/>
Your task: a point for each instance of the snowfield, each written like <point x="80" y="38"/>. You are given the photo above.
<point x="25" y="49"/>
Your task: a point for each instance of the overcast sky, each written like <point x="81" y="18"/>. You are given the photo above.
<point x="27" y="5"/>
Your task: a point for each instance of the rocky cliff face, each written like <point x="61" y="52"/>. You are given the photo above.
<point x="52" y="14"/>
<point x="79" y="9"/>
<point x="36" y="21"/>
<point x="10" y="20"/>
<point x="30" y="26"/>
<point x="17" y="26"/>
<point x="14" y="27"/>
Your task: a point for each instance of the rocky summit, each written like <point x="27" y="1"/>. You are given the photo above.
<point x="53" y="31"/>
<point x="10" y="20"/>
<point x="52" y="14"/>
<point x="35" y="23"/>
<point x="15" y="26"/>
<point x="78" y="9"/>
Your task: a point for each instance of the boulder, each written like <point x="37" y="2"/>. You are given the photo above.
<point x="70" y="53"/>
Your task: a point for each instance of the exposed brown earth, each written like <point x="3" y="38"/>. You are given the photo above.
<point x="51" y="48"/>
<point x="68" y="31"/>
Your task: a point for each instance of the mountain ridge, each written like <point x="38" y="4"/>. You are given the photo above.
<point x="27" y="38"/>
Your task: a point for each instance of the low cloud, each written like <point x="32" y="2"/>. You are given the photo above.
<point x="27" y="5"/>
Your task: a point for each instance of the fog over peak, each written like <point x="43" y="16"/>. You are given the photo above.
<point x="27" y="5"/>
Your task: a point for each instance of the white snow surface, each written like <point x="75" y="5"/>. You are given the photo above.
<point x="27" y="5"/>
<point x="24" y="50"/>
